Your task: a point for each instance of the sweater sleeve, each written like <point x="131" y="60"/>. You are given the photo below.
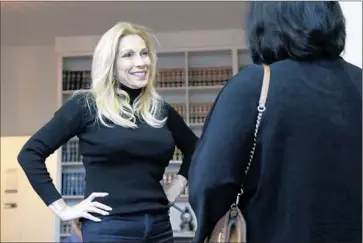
<point x="184" y="138"/>
<point x="223" y="150"/>
<point x="66" y="123"/>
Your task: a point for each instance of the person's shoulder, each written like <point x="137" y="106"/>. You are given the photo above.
<point x="248" y="78"/>
<point x="167" y="108"/>
<point x="81" y="99"/>
<point x="166" y="105"/>
<point x="171" y="111"/>
<point x="79" y="103"/>
<point x="354" y="70"/>
<point x="248" y="73"/>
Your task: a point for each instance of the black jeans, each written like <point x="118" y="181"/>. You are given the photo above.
<point x="129" y="229"/>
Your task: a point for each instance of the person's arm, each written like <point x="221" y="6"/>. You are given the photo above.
<point x="76" y="229"/>
<point x="185" y="140"/>
<point x="222" y="153"/>
<point x="66" y="123"/>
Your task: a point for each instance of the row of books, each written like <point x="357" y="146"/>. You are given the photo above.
<point x="66" y="227"/>
<point x="75" y="80"/>
<point x="181" y="109"/>
<point x="198" y="112"/>
<point x="71" y="152"/>
<point x="209" y="76"/>
<point x="178" y="155"/>
<point x="73" y="183"/>
<point x="166" y="78"/>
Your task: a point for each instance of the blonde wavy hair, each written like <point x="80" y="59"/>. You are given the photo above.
<point x="112" y="102"/>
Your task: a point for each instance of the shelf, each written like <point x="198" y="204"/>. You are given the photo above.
<point x="72" y="164"/>
<point x="205" y="88"/>
<point x="76" y="63"/>
<point x="196" y="125"/>
<point x="206" y="59"/>
<point x="179" y="234"/>
<point x="170" y="60"/>
<point x="171" y="89"/>
<point x="243" y="59"/>
<point x="189" y="80"/>
<point x="68" y="91"/>
<point x="73" y="197"/>
<point x="175" y="162"/>
<point x="183" y="198"/>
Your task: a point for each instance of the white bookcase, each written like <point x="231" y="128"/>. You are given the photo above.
<point x="190" y="80"/>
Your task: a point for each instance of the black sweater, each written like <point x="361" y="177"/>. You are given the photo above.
<point x="127" y="163"/>
<point x="305" y="183"/>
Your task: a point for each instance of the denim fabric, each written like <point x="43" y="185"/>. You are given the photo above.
<point x="129" y="229"/>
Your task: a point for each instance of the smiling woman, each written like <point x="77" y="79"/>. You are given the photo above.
<point x="132" y="62"/>
<point x="127" y="135"/>
<point x="127" y="47"/>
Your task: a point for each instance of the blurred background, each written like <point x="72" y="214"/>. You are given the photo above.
<point x="46" y="50"/>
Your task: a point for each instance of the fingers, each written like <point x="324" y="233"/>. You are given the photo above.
<point x="101" y="206"/>
<point x="97" y="210"/>
<point x="95" y="207"/>
<point x="90" y="217"/>
<point x="96" y="194"/>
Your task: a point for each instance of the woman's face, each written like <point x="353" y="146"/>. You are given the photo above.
<point x="133" y="62"/>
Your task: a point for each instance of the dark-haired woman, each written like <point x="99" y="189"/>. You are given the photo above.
<point x="305" y="182"/>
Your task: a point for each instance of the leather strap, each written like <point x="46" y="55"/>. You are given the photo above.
<point x="261" y="108"/>
<point x="265" y="86"/>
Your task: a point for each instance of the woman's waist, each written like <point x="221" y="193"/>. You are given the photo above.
<point x="127" y="194"/>
<point x="118" y="179"/>
<point x="123" y="211"/>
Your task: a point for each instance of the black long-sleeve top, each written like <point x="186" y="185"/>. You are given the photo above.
<point x="127" y="163"/>
<point x="305" y="183"/>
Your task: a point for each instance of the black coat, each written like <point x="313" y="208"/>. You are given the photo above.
<point x="305" y="183"/>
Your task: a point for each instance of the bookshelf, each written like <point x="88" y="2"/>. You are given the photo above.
<point x="189" y="80"/>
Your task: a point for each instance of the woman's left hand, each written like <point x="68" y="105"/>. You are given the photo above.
<point x="175" y="188"/>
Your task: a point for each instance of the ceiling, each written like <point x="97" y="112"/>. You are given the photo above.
<point x="38" y="23"/>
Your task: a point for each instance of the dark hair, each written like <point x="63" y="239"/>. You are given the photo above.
<point x="299" y="30"/>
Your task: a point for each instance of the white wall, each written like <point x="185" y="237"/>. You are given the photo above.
<point x="168" y="41"/>
<point x="28" y="88"/>
<point x="353" y="15"/>
<point x="28" y="100"/>
<point x="31" y="221"/>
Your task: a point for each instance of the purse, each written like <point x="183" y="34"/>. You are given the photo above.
<point x="232" y="226"/>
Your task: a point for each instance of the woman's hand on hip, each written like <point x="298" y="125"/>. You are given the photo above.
<point x="84" y="208"/>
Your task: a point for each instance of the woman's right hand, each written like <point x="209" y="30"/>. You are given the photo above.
<point x="84" y="208"/>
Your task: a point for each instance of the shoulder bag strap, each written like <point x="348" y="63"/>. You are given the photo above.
<point x="260" y="108"/>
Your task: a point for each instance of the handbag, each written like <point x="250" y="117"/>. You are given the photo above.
<point x="232" y="226"/>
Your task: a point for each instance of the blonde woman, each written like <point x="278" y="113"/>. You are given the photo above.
<point x="127" y="135"/>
